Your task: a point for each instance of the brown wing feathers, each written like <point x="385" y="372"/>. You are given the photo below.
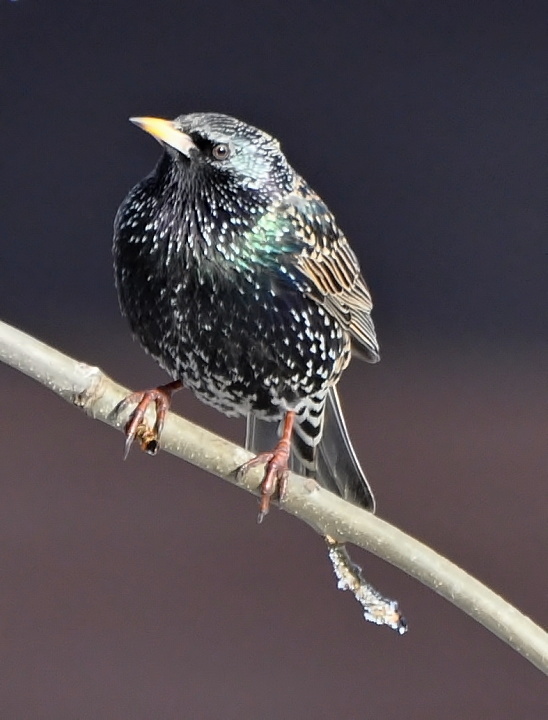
<point x="332" y="267"/>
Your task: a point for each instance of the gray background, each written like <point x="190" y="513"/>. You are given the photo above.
<point x="145" y="589"/>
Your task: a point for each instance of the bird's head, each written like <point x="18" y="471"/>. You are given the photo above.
<point x="210" y="147"/>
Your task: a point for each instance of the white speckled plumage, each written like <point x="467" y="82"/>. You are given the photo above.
<point x="235" y="277"/>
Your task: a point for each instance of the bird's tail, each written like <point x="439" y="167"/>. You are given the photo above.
<point x="331" y="461"/>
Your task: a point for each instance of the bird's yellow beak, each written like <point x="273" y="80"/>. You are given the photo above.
<point x="165" y="131"/>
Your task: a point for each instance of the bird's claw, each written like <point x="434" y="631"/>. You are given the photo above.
<point x="274" y="483"/>
<point x="136" y="427"/>
<point x="148" y="439"/>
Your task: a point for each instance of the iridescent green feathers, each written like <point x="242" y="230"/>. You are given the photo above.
<point x="299" y="239"/>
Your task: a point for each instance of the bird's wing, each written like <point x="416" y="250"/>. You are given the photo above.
<point x="331" y="267"/>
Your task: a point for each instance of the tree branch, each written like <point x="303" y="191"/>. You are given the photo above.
<point x="88" y="388"/>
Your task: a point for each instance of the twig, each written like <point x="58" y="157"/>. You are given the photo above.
<point x="88" y="388"/>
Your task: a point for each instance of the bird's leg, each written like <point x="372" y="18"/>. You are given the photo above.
<point x="136" y="427"/>
<point x="277" y="468"/>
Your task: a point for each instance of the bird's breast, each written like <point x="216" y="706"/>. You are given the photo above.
<point x="239" y="342"/>
<point x="235" y="334"/>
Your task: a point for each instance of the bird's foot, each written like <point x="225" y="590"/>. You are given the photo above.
<point x="274" y="482"/>
<point x="136" y="427"/>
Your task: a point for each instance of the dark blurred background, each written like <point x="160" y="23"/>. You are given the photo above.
<point x="144" y="589"/>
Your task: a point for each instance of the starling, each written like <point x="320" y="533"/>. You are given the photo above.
<point x="235" y="277"/>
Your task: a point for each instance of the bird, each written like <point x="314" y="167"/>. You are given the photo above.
<point x="235" y="277"/>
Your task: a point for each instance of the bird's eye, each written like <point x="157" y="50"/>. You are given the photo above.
<point x="221" y="151"/>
